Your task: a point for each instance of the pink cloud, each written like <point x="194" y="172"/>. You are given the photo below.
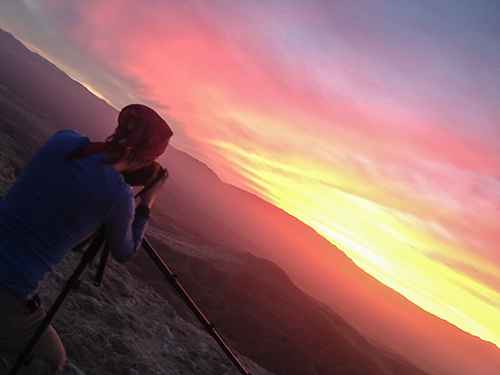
<point x="197" y="67"/>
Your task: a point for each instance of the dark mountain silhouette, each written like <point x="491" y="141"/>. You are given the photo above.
<point x="263" y="314"/>
<point x="47" y="95"/>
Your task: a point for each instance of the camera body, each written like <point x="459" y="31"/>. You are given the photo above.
<point x="141" y="176"/>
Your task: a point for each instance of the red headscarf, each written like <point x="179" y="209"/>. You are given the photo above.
<point x="141" y="132"/>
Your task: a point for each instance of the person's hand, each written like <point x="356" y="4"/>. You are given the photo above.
<point x="152" y="192"/>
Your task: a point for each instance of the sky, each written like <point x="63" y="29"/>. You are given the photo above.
<point x="377" y="123"/>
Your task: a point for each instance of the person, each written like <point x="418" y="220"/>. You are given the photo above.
<point x="69" y="189"/>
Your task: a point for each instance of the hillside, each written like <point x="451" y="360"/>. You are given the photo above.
<point x="250" y="300"/>
<point x="265" y="316"/>
<point x="123" y="326"/>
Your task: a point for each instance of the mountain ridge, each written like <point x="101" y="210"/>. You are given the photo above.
<point x="191" y="213"/>
<point x="250" y="287"/>
<point x="23" y="109"/>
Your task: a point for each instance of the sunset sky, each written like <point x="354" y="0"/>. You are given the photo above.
<point x="377" y="123"/>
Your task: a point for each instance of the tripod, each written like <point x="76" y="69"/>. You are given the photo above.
<point x="96" y="243"/>
<point x="73" y="283"/>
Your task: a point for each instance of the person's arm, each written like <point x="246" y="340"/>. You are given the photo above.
<point x="126" y="225"/>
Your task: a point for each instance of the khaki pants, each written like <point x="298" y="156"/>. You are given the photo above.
<point x="17" y="326"/>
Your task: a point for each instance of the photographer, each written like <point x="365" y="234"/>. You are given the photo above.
<point x="69" y="189"/>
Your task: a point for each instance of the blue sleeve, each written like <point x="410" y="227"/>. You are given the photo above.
<point x="125" y="229"/>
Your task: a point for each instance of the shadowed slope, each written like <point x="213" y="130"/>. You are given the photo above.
<point x="256" y="306"/>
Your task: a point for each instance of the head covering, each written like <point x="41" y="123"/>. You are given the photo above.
<point x="141" y="132"/>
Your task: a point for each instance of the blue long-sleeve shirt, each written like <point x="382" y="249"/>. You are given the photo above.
<point x="55" y="204"/>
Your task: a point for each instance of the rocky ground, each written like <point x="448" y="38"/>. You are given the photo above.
<point x="7" y="175"/>
<point x="123" y="326"/>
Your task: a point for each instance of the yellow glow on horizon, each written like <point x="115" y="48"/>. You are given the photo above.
<point x="93" y="91"/>
<point x="399" y="249"/>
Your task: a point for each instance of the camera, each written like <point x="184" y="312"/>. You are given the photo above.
<point x="141" y="176"/>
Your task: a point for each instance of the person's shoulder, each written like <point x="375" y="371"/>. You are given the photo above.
<point x="68" y="134"/>
<point x="67" y="139"/>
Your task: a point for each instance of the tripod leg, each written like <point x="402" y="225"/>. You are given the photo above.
<point x="209" y="327"/>
<point x="73" y="282"/>
<point x="102" y="265"/>
<point x="19" y="323"/>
